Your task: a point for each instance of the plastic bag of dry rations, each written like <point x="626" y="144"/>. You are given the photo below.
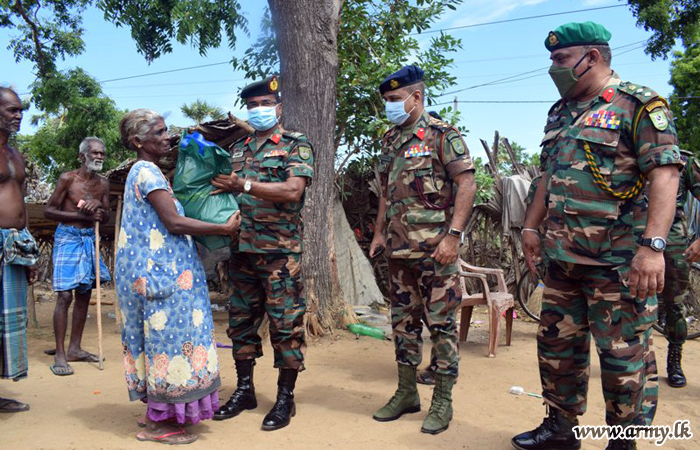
<point x="197" y="163"/>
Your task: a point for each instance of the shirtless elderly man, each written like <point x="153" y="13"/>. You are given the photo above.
<point x="81" y="198"/>
<point x="18" y="252"/>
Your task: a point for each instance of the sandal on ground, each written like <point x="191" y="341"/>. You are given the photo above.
<point x="166" y="438"/>
<point x="61" y="371"/>
<point x="7" y="405"/>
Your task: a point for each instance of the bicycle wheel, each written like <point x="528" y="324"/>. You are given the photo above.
<point x="530" y="290"/>
<point x="693" y="302"/>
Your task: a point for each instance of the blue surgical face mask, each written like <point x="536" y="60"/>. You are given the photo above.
<point x="263" y="118"/>
<point x="396" y="111"/>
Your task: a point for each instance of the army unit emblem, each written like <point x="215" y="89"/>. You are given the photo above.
<point x="659" y="119"/>
<point x="553" y="39"/>
<point x="394" y="84"/>
<point x="273" y="85"/>
<point x="304" y="152"/>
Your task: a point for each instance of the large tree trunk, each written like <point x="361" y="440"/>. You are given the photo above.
<point x="307" y="32"/>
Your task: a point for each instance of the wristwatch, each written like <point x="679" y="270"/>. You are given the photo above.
<point x="454" y="232"/>
<point x="246" y="187"/>
<point x="658" y="244"/>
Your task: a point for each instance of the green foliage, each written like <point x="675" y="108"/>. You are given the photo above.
<point x="484" y="182"/>
<point x="75" y="108"/>
<point x="46" y="30"/>
<point x="155" y="24"/>
<point x="685" y="79"/>
<point x="669" y="20"/>
<point x="200" y="110"/>
<point x="375" y="39"/>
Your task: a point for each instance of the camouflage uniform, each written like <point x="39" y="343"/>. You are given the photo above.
<point x="591" y="238"/>
<point x="417" y="166"/>
<point x="265" y="264"/>
<point x="677" y="268"/>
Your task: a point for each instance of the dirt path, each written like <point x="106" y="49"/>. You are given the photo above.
<point x="345" y="382"/>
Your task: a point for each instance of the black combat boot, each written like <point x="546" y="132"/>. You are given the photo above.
<point x="621" y="444"/>
<point x="676" y="378"/>
<point x="284" y="409"/>
<point x="555" y="433"/>
<point x="243" y="397"/>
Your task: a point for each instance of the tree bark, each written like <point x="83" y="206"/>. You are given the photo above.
<point x="307" y="32"/>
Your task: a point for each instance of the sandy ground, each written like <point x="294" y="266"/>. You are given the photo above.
<point x="346" y="380"/>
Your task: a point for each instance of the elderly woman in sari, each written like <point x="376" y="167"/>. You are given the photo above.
<point x="169" y="350"/>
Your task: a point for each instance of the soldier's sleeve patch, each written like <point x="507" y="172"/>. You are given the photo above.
<point x="659" y="119"/>
<point x="456" y="142"/>
<point x="304" y="152"/>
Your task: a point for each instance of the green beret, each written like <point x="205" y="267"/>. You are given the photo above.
<point x="270" y="85"/>
<point x="574" y="34"/>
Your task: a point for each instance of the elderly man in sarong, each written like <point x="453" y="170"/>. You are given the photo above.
<point x="81" y="198"/>
<point x="18" y="252"/>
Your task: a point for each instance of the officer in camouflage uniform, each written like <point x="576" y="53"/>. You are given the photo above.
<point x="603" y="139"/>
<point x="271" y="169"/>
<point x="678" y="271"/>
<point x="427" y="192"/>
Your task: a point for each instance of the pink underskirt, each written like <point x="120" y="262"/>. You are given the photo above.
<point x="184" y="413"/>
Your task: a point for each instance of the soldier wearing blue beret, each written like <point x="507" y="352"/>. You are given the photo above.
<point x="427" y="192"/>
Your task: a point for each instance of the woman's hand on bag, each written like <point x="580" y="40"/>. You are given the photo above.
<point x="233" y="224"/>
<point x="227" y="183"/>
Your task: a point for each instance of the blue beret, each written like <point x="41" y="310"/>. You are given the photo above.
<point x="270" y="85"/>
<point x="405" y="76"/>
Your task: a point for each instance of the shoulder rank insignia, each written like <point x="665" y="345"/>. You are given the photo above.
<point x="237" y="154"/>
<point x="420" y="133"/>
<point x="603" y="119"/>
<point x="272" y="153"/>
<point x="304" y="152"/>
<point x="418" y="150"/>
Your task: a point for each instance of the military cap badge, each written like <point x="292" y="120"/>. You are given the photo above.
<point x="273" y="85"/>
<point x="553" y="39"/>
<point x="394" y="84"/>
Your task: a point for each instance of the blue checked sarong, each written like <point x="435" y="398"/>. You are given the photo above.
<point x="13" y="305"/>
<point x="74" y="259"/>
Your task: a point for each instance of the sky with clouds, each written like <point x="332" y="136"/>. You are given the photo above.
<point x="489" y="53"/>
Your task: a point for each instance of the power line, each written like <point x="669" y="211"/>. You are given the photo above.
<point x="473" y="25"/>
<point x="517" y="76"/>
<point x="550" y="102"/>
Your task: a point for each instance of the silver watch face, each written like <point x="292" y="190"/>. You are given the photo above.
<point x="658" y="244"/>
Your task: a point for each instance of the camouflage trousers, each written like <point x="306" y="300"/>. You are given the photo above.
<point x="580" y="301"/>
<point x="423" y="286"/>
<point x="675" y="294"/>
<point x="272" y="284"/>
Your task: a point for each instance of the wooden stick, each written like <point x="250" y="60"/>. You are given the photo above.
<point x="99" y="296"/>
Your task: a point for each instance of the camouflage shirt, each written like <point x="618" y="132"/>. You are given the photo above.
<point x="689" y="182"/>
<point x="268" y="227"/>
<point x="586" y="224"/>
<point x="417" y="166"/>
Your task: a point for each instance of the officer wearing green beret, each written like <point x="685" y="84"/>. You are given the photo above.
<point x="271" y="169"/>
<point x="602" y="142"/>
<point x="427" y="192"/>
